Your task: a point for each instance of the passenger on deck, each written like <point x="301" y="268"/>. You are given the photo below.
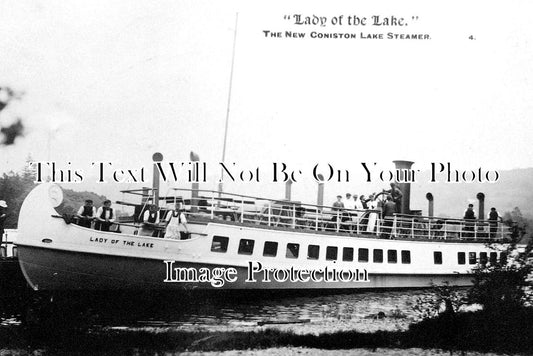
<point x="363" y="222"/>
<point x="372" y="202"/>
<point x="358" y="204"/>
<point x="373" y="216"/>
<point x="349" y="214"/>
<point x="337" y="209"/>
<point x="86" y="214"/>
<point x="493" y="217"/>
<point x="349" y="203"/>
<point x="338" y="205"/>
<point x="364" y="201"/>
<point x="177" y="224"/>
<point x="105" y="217"/>
<point x="389" y="208"/>
<point x="3" y="216"/>
<point x="150" y="222"/>
<point x="397" y="195"/>
<point x="470" y="213"/>
<point x="356" y="216"/>
<point x="469" y="216"/>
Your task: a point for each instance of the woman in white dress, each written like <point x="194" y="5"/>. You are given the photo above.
<point x="373" y="216"/>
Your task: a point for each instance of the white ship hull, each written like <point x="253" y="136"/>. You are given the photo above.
<point x="54" y="255"/>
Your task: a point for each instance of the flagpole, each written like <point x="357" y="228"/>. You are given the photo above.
<point x="220" y="184"/>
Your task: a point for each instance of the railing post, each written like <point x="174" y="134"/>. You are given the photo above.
<point x="269" y="213"/>
<point x="338" y="221"/>
<point x="394" y="222"/>
<point x="412" y="228"/>
<point x="212" y="205"/>
<point x="429" y="228"/>
<point x="475" y="230"/>
<point x="242" y="210"/>
<point x="445" y="230"/>
<point x="357" y="223"/>
<point x="316" y="219"/>
<point x="293" y="216"/>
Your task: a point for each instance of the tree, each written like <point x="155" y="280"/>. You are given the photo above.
<point x="505" y="285"/>
<point x="9" y="133"/>
<point x="72" y="201"/>
<point x="14" y="188"/>
<point x="519" y="225"/>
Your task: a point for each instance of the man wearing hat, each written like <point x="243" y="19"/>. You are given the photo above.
<point x="338" y="205"/>
<point x="150" y="221"/>
<point x="337" y="209"/>
<point x="3" y="215"/>
<point x="177" y="224"/>
<point x="86" y="214"/>
<point x="493" y="218"/>
<point x="105" y="217"/>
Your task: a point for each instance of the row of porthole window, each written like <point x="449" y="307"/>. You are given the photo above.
<point x="484" y="258"/>
<point x="270" y="249"/>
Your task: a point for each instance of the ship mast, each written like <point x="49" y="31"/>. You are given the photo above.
<point x="220" y="184"/>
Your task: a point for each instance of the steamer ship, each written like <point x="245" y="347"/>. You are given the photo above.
<point x="233" y="232"/>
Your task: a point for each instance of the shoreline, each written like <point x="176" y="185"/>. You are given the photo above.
<point x="466" y="331"/>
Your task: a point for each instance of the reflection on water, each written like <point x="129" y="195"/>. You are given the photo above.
<point x="363" y="311"/>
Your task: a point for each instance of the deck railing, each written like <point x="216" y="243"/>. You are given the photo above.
<point x="274" y="213"/>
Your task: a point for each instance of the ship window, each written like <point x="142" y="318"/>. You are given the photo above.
<point x="503" y="258"/>
<point x="472" y="258"/>
<point x="461" y="258"/>
<point x="483" y="258"/>
<point x="347" y="254"/>
<point x="392" y="256"/>
<point x="14" y="251"/>
<point x="493" y="257"/>
<point x="378" y="256"/>
<point x="219" y="244"/>
<point x="246" y="247"/>
<point x="331" y="253"/>
<point x="3" y="252"/>
<point x="292" y="250"/>
<point x="312" y="252"/>
<point x="406" y="256"/>
<point x="363" y="255"/>
<point x="270" y="249"/>
<point x="437" y="257"/>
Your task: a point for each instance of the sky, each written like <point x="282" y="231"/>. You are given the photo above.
<point x="116" y="81"/>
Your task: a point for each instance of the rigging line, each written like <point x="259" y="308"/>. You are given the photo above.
<point x="229" y="101"/>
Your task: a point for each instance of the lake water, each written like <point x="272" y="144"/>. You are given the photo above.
<point x="361" y="311"/>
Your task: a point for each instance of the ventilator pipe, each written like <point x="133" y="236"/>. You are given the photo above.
<point x="156" y="157"/>
<point x="429" y="197"/>
<point x="320" y="195"/>
<point x="195" y="185"/>
<point x="481" y="198"/>
<point x="288" y="186"/>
